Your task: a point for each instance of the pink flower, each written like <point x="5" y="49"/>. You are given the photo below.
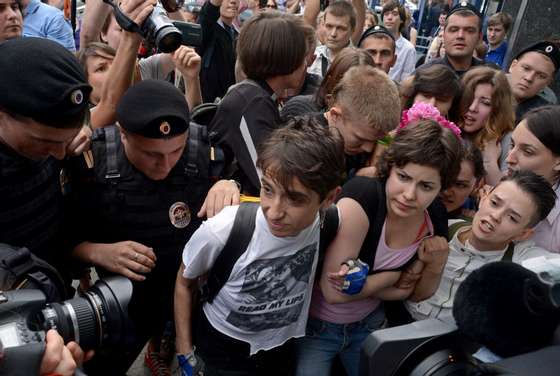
<point x="424" y="111"/>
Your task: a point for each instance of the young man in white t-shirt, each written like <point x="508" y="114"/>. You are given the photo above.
<point x="506" y="218"/>
<point x="265" y="301"/>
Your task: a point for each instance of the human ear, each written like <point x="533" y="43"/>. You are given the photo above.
<point x="526" y="234"/>
<point x="331" y="197"/>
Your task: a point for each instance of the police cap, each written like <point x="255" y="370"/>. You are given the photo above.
<point x="42" y="80"/>
<point x="464" y="5"/>
<point x="377" y="29"/>
<point x="548" y="49"/>
<point x="153" y="109"/>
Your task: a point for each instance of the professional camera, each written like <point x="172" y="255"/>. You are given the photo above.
<point x="158" y="29"/>
<point x="509" y="310"/>
<point x="97" y="318"/>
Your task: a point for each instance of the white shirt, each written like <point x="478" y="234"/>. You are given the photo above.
<point x="322" y="53"/>
<point x="406" y="60"/>
<point x="266" y="300"/>
<point x="463" y="259"/>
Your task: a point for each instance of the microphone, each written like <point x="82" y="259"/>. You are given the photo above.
<point x="506" y="308"/>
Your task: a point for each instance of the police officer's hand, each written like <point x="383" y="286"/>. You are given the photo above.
<point x="59" y="359"/>
<point x="80" y="143"/>
<point x="128" y="258"/>
<point x="187" y="61"/>
<point x="223" y="193"/>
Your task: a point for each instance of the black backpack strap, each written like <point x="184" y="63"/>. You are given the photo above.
<point x="508" y="255"/>
<point x="238" y="240"/>
<point x="196" y="133"/>
<point x="324" y="65"/>
<point x="111" y="153"/>
<point x="329" y="229"/>
<point x="455" y="227"/>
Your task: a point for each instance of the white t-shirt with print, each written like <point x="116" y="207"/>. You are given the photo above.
<point x="266" y="300"/>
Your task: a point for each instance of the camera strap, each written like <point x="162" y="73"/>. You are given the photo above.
<point x="122" y="19"/>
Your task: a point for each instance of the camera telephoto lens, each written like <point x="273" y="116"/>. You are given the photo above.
<point x="168" y="39"/>
<point x="97" y="318"/>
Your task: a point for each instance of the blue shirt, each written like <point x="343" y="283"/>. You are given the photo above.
<point x="497" y="56"/>
<point x="43" y="21"/>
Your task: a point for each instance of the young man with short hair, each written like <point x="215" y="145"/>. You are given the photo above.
<point x="246" y="328"/>
<point x="362" y="116"/>
<point x="461" y="35"/>
<point x="11" y="20"/>
<point x="394" y="17"/>
<point x="496" y="32"/>
<point x="380" y="44"/>
<point x="343" y="24"/>
<point x="499" y="231"/>
<point x="532" y="70"/>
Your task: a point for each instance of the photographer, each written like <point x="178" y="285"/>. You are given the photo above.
<point x="125" y="69"/>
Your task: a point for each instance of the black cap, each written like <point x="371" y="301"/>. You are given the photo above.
<point x="377" y="29"/>
<point x="548" y="49"/>
<point x="42" y="80"/>
<point x="153" y="109"/>
<point x="464" y="5"/>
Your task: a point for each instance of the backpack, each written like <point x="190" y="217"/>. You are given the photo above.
<point x="20" y="269"/>
<point x="239" y="238"/>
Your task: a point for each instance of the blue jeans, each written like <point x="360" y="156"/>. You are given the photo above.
<point x="324" y="340"/>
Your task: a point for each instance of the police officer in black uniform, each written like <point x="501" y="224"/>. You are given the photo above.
<point x="136" y="199"/>
<point x="43" y="103"/>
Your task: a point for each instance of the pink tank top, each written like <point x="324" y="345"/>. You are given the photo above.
<point x="385" y="258"/>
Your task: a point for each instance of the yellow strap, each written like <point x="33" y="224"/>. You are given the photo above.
<point x="245" y="198"/>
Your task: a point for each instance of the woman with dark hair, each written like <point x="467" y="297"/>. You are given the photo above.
<point x="535" y="146"/>
<point x="437" y="85"/>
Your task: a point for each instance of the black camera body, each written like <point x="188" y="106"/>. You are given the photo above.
<point x="97" y="318"/>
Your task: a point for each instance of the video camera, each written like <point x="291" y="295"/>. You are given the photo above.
<point x="523" y="324"/>
<point x="97" y="318"/>
<point x="159" y="30"/>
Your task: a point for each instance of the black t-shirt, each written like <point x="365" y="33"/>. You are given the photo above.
<point x="246" y="116"/>
<point x="444" y="61"/>
<point x="31" y="204"/>
<point x="370" y="195"/>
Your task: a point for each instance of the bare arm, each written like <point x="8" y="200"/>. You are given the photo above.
<point x="375" y="284"/>
<point x="187" y="62"/>
<point x="360" y="8"/>
<point x="119" y="77"/>
<point x="96" y="13"/>
<point x="354" y="225"/>
<point x="183" y="308"/>
<point x="311" y="11"/>
<point x="433" y="254"/>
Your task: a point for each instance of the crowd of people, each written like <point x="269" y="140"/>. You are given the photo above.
<point x="300" y="166"/>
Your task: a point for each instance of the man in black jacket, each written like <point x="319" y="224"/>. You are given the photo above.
<point x="219" y="37"/>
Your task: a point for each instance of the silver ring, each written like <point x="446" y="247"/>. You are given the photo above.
<point x="135" y="256"/>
